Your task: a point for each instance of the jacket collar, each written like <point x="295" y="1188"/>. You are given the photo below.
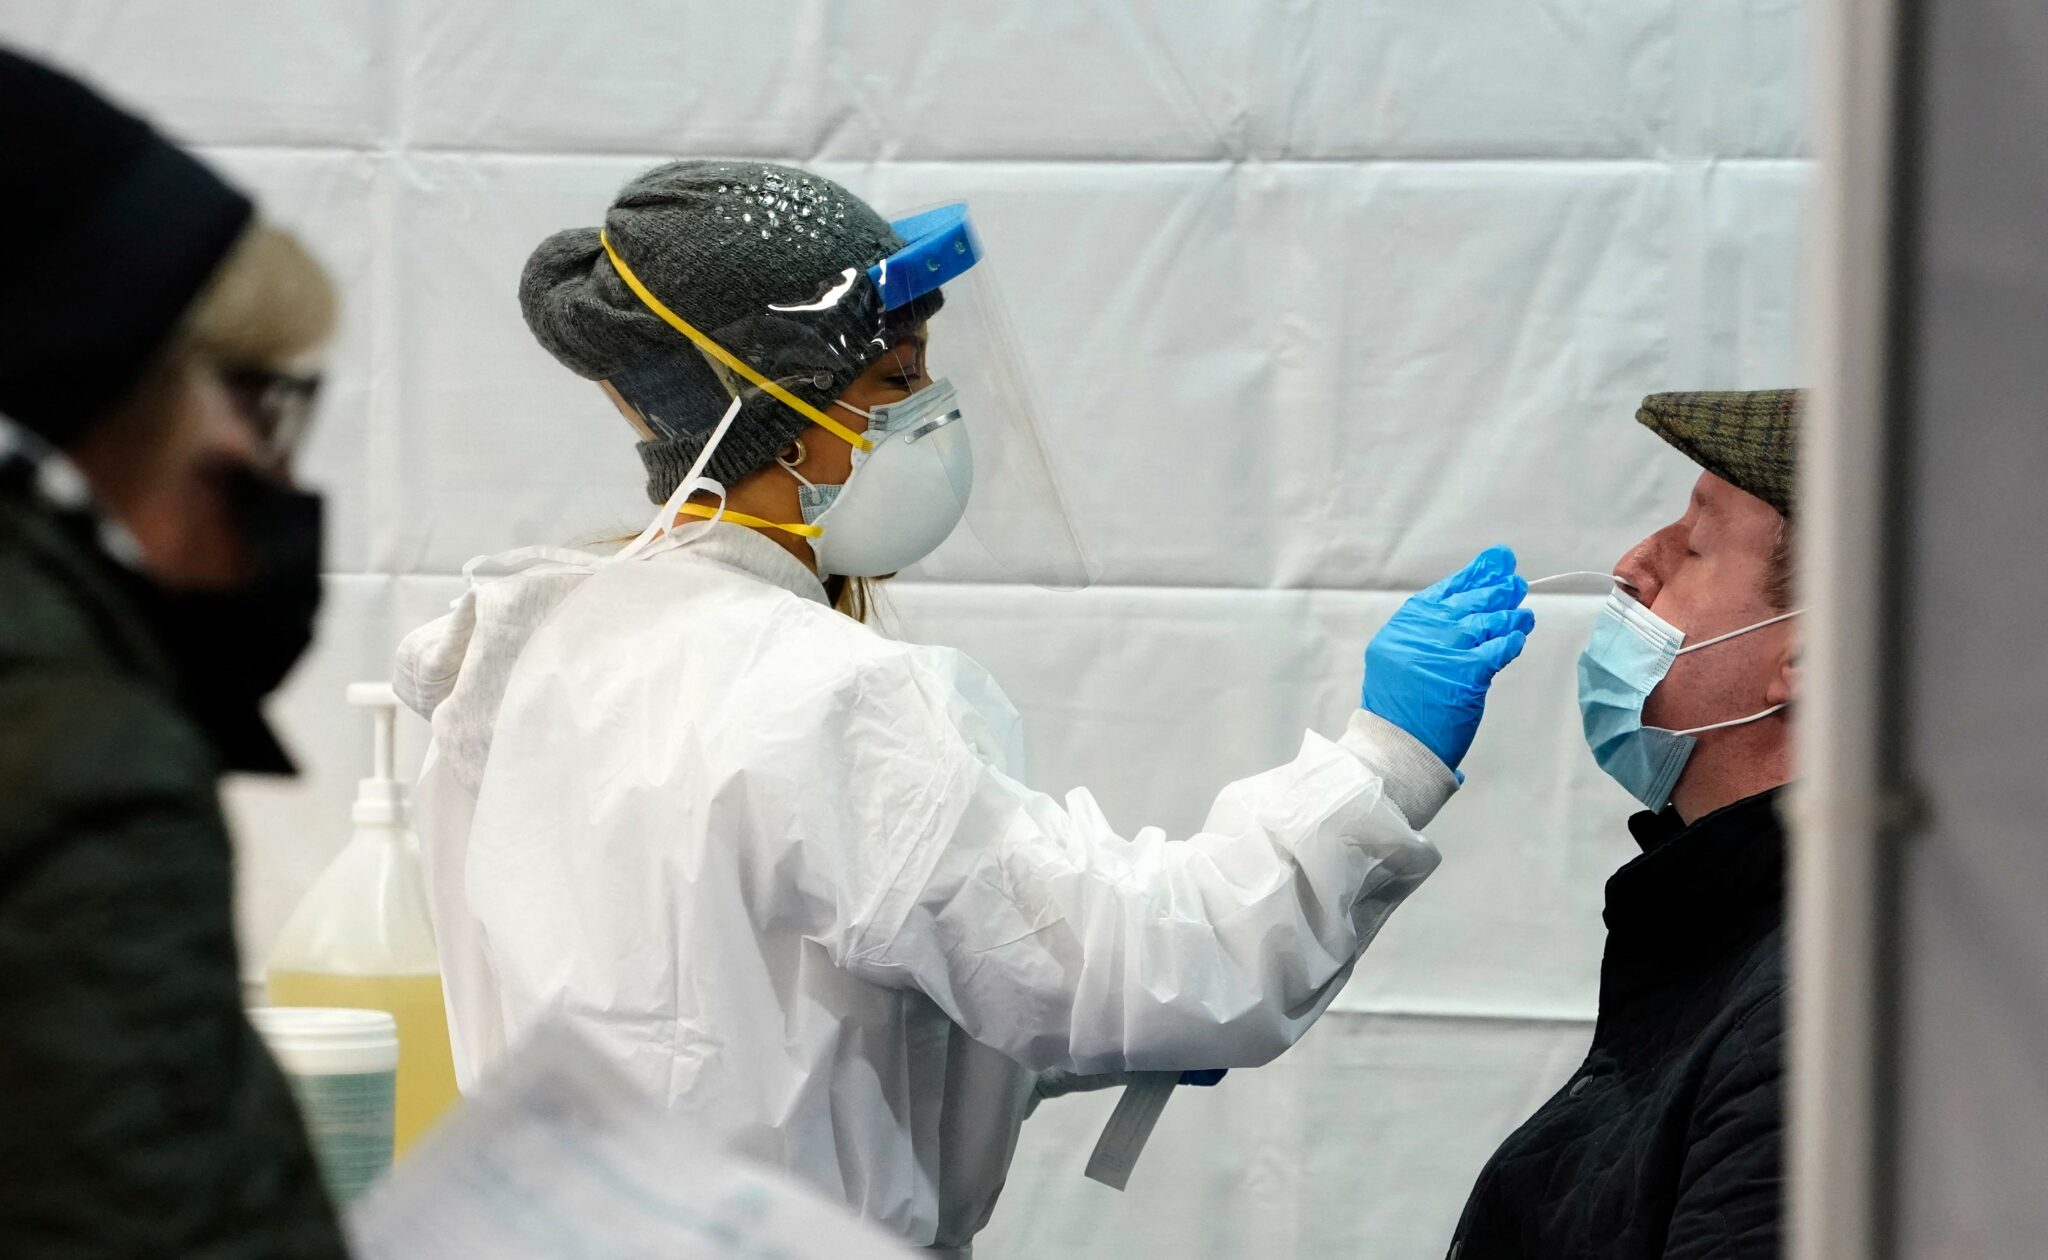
<point x="47" y="507"/>
<point x="737" y="547"/>
<point x="38" y="472"/>
<point x="1694" y="884"/>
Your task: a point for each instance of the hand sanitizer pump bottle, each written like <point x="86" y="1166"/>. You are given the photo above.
<point x="362" y="938"/>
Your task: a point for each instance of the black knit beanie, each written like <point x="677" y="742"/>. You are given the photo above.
<point x="108" y="232"/>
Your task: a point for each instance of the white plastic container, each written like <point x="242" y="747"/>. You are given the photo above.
<point x="343" y="1069"/>
<point x="362" y="938"/>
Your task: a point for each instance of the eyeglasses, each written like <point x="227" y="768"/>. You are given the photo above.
<point x="278" y="405"/>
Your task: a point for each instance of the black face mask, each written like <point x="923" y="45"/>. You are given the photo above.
<point x="231" y="647"/>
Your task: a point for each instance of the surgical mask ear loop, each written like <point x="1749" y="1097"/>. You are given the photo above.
<point x="790" y="465"/>
<point x="1722" y="726"/>
<point x="693" y="481"/>
<point x="1723" y="638"/>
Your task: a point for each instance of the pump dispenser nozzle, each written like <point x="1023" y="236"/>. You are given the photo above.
<point x="380" y="800"/>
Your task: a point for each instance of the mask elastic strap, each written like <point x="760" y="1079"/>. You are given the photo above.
<point x="723" y="513"/>
<point x="790" y="468"/>
<point x="693" y="481"/>
<point x="863" y="413"/>
<point x="727" y="357"/>
<point x="802" y="531"/>
<point x="1723" y="638"/>
<point x="1722" y="726"/>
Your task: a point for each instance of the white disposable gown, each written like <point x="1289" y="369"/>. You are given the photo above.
<point x="781" y="869"/>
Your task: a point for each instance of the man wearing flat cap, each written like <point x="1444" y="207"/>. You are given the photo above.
<point x="1667" y="1140"/>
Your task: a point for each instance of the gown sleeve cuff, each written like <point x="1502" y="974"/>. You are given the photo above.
<point x="1417" y="782"/>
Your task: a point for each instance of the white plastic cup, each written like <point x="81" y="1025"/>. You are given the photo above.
<point x="343" y="1069"/>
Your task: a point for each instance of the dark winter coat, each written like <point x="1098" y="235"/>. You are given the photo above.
<point x="139" y="1114"/>
<point x="1667" y="1142"/>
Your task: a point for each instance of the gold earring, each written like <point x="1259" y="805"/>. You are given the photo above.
<point x="802" y="453"/>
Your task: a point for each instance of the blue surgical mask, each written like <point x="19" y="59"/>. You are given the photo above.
<point x="1631" y="650"/>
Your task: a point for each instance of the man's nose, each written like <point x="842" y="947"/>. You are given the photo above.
<point x="1637" y="574"/>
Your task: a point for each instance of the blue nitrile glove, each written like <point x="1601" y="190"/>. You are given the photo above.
<point x="1428" y="668"/>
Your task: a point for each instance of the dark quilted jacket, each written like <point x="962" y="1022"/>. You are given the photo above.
<point x="139" y="1114"/>
<point x="1666" y="1141"/>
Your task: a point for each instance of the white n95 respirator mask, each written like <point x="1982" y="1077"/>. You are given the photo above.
<point x="903" y="498"/>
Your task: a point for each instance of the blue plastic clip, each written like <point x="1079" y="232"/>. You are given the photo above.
<point x="941" y="245"/>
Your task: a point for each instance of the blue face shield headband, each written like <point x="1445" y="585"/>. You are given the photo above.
<point x="1631" y="650"/>
<point x="940" y="246"/>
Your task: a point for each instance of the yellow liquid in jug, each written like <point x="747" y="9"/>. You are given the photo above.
<point x="426" y="1068"/>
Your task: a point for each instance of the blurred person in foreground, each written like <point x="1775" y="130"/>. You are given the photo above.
<point x="158" y="575"/>
<point x="1666" y="1141"/>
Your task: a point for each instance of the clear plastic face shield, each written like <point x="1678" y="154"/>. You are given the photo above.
<point x="1018" y="522"/>
<point x="915" y="367"/>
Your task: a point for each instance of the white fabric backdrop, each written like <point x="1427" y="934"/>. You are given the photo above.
<point x="1322" y="299"/>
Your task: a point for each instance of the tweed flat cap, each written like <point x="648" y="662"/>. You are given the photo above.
<point x="1748" y="438"/>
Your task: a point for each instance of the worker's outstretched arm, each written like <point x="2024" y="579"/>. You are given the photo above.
<point x="1049" y="936"/>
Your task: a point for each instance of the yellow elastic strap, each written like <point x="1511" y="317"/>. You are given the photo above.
<point x="708" y="512"/>
<point x="729" y="359"/>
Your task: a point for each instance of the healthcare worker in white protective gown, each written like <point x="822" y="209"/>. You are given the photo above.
<point x="784" y="870"/>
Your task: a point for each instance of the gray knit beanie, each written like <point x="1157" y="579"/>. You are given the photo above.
<point x="738" y="249"/>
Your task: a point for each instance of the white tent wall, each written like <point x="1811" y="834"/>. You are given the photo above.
<point x="1322" y="299"/>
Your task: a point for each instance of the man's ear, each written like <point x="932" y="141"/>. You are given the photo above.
<point x="1784" y="687"/>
